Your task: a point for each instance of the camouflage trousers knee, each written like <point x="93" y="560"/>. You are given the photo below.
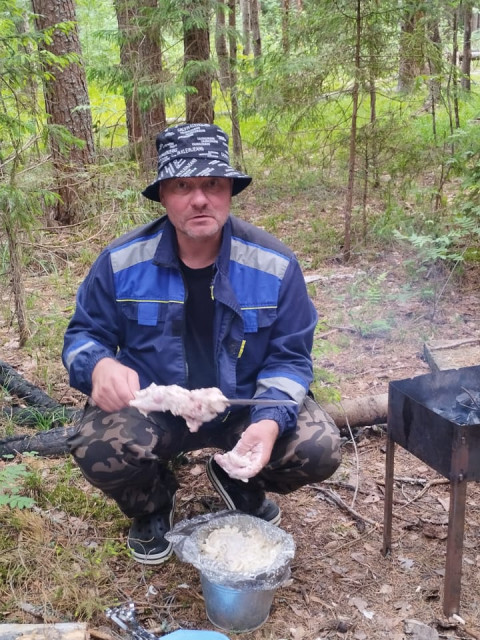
<point x="126" y="455"/>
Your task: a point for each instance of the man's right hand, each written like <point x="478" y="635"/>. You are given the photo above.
<point x="113" y="385"/>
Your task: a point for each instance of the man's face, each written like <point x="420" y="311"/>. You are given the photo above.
<point x="197" y="207"/>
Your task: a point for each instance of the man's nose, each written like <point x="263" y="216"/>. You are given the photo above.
<point x="198" y="197"/>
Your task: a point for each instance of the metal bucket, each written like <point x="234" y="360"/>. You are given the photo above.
<point x="236" y="609"/>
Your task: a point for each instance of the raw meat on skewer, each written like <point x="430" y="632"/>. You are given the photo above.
<point x="196" y="406"/>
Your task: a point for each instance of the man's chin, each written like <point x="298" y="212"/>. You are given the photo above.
<point x="199" y="231"/>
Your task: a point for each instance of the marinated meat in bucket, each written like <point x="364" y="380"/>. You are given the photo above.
<point x="240" y="551"/>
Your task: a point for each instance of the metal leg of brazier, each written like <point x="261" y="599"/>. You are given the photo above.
<point x="456" y="527"/>
<point x="388" y="499"/>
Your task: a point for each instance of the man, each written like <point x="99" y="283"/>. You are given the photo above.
<point x="196" y="298"/>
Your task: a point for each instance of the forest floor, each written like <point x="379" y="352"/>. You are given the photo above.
<point x="376" y="315"/>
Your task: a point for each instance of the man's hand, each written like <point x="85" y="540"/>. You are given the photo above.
<point x="113" y="385"/>
<point x="252" y="452"/>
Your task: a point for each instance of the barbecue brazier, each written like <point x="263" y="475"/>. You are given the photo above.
<point x="419" y="419"/>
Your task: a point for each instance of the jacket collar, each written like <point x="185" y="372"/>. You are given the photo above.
<point x="166" y="253"/>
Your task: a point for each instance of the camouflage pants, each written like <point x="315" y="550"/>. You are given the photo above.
<point x="126" y="455"/>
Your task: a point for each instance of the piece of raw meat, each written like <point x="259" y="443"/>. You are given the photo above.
<point x="196" y="406"/>
<point x="241" y="463"/>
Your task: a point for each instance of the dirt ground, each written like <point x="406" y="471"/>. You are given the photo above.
<point x="373" y="328"/>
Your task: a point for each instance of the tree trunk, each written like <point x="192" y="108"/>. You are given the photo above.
<point x="199" y="104"/>
<point x="221" y="47"/>
<point x="435" y="61"/>
<point x="245" y="11"/>
<point x="125" y="19"/>
<point x="236" y="137"/>
<point x="353" y="141"/>
<point x="142" y="61"/>
<point x="285" y="26"/>
<point x="467" y="47"/>
<point x="153" y="115"/>
<point x="411" y="62"/>
<point x="256" y="35"/>
<point x="67" y="104"/>
<point x="454" y="73"/>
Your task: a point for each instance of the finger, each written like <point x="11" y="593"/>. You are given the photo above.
<point x="133" y="382"/>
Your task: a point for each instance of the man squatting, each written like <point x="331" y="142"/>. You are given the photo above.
<point x="197" y="298"/>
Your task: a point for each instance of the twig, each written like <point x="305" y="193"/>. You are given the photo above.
<point x="357" y="463"/>
<point x="345" y="485"/>
<point x="471" y="632"/>
<point x="453" y="344"/>
<point x="405" y="479"/>
<point x="350" y="543"/>
<point x="430" y="483"/>
<point x="331" y="495"/>
<point x="333" y="329"/>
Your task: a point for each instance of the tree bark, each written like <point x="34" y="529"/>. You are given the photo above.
<point x="411" y="61"/>
<point x="199" y="104"/>
<point x="353" y="141"/>
<point x="126" y="13"/>
<point x="14" y="383"/>
<point x="359" y="412"/>
<point x="153" y="115"/>
<point x="236" y="137"/>
<point x="221" y="47"/>
<point x="285" y="26"/>
<point x="256" y="35"/>
<point x="67" y="104"/>
<point x="142" y="61"/>
<point x="467" y="47"/>
<point x="245" y="11"/>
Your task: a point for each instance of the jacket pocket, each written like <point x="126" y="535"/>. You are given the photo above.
<point x="255" y="319"/>
<point x="144" y="313"/>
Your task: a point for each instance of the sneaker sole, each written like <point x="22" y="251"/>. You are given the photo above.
<point x="155" y="558"/>
<point x="219" y="488"/>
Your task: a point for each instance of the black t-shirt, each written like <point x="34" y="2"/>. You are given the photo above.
<point x="198" y="337"/>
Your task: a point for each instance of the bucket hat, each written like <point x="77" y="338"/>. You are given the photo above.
<point x="191" y="151"/>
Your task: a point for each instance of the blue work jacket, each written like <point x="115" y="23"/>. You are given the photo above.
<point x="131" y="307"/>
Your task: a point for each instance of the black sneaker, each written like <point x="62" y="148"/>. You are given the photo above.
<point x="237" y="495"/>
<point x="146" y="538"/>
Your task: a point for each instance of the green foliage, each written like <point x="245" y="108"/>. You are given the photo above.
<point x="366" y="305"/>
<point x="13" y="477"/>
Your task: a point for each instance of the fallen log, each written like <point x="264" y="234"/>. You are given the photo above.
<point x="45" y="443"/>
<point x="57" y="631"/>
<point x="14" y="383"/>
<point x="359" y="412"/>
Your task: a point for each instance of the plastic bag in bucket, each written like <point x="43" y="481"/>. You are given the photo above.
<point x="238" y="582"/>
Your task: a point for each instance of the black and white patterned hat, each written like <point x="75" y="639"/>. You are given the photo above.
<point x="191" y="151"/>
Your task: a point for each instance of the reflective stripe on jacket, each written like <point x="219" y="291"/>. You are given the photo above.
<point x="131" y="307"/>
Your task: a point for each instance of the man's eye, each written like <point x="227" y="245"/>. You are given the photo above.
<point x="213" y="184"/>
<point x="181" y="187"/>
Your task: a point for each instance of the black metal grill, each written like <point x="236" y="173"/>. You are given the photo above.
<point x="419" y="420"/>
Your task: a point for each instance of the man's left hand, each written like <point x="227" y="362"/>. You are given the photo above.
<point x="252" y="452"/>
